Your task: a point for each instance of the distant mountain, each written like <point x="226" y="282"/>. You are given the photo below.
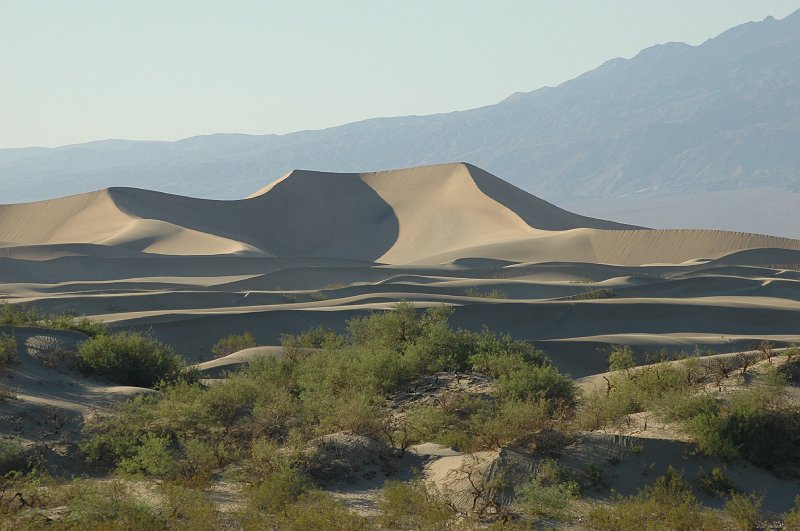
<point x="679" y="135"/>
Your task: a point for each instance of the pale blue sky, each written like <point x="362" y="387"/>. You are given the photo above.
<point x="80" y="70"/>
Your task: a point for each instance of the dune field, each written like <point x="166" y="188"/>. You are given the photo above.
<point x="317" y="248"/>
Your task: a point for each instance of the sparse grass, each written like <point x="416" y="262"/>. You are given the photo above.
<point x="594" y="294"/>
<point x="338" y="285"/>
<point x="18" y="315"/>
<point x="491" y="294"/>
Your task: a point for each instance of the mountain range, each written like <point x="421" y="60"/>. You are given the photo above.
<point x="679" y="136"/>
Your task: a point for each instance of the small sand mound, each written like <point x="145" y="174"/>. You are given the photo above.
<point x="481" y="482"/>
<point x="345" y="457"/>
<point x="51" y="351"/>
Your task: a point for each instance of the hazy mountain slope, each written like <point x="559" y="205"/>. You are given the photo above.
<point x="721" y="118"/>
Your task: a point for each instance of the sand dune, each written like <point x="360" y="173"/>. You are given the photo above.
<point x="428" y="215"/>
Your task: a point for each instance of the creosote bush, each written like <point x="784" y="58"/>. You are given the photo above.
<point x="233" y="343"/>
<point x="411" y="505"/>
<point x="550" y="493"/>
<point x="667" y="504"/>
<point x="129" y="358"/>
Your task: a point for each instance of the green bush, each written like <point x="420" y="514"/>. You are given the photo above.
<point x="411" y="506"/>
<point x="129" y="358"/>
<point x="621" y="358"/>
<point x="8" y="351"/>
<point x="550" y="494"/>
<point x="668" y="504"/>
<point x="233" y="343"/>
<point x="319" y="511"/>
<point x="792" y="518"/>
<point x="756" y="423"/>
<point x="108" y="506"/>
<point x="12" y="456"/>
<point x="745" y="511"/>
<point x="275" y="492"/>
<point x="152" y="458"/>
<point x="189" y="509"/>
<point x="716" y="482"/>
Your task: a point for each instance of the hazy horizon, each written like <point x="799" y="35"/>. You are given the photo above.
<point x="149" y="72"/>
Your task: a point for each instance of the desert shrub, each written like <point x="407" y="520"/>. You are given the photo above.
<point x="411" y="506"/>
<point x="233" y="343"/>
<point x="188" y="508"/>
<point x="765" y="438"/>
<point x="429" y="423"/>
<point x="665" y="387"/>
<point x="319" y="511"/>
<point x="755" y="424"/>
<point x="8" y="351"/>
<point x="21" y="315"/>
<point x="491" y="294"/>
<point x="791" y="367"/>
<point x="667" y="504"/>
<point x="550" y="494"/>
<point x="275" y="492"/>
<point x="201" y="459"/>
<point x="792" y="517"/>
<point x="502" y="423"/>
<point x="684" y="406"/>
<point x="108" y="506"/>
<point x="594" y="294"/>
<point x="129" y="358"/>
<point x="744" y="510"/>
<point x="12" y="455"/>
<point x="621" y="358"/>
<point x="152" y="457"/>
<point x="716" y="482"/>
<point x="80" y="324"/>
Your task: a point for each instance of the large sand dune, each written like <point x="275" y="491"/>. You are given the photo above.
<point x="427" y="215"/>
<point x="318" y="248"/>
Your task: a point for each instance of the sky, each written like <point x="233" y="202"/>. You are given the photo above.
<point x="85" y="70"/>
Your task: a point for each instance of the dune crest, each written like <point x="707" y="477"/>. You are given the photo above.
<point x="425" y="215"/>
